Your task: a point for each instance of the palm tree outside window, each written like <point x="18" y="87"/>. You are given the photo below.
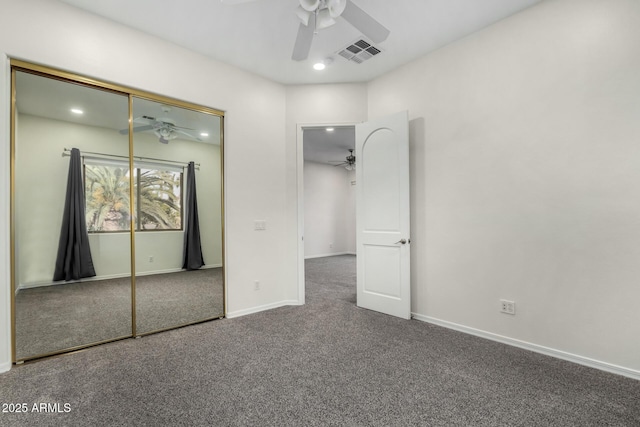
<point x="157" y="197"/>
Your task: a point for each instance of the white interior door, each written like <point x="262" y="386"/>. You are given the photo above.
<point x="382" y="215"/>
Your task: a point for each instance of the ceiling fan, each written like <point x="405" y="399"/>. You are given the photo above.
<point x="164" y="128"/>
<point x="316" y="15"/>
<point x="349" y="163"/>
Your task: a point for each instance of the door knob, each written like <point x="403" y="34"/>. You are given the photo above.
<point x="402" y="241"/>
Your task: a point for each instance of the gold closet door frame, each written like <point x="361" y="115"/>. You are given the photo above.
<point x="49" y="72"/>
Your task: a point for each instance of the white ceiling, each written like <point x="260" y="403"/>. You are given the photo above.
<point x="321" y="146"/>
<point x="54" y="99"/>
<point x="259" y="35"/>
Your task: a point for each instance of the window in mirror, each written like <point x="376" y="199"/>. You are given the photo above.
<point x="107" y="197"/>
<point x="158" y="202"/>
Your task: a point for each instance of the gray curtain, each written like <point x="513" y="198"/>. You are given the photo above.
<point x="192" y="247"/>
<point x="74" y="255"/>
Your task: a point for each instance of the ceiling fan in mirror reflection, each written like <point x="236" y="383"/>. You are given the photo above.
<point x="164" y="128"/>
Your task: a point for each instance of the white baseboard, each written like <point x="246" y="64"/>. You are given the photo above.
<point x="581" y="360"/>
<point x="204" y="267"/>
<point x="107" y="277"/>
<point x="4" y="367"/>
<point x="252" y="310"/>
<point x="327" y="255"/>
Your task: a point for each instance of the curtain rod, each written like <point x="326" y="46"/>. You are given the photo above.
<point x="67" y="152"/>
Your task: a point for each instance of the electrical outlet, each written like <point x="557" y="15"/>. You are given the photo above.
<point x="256" y="285"/>
<point x="330" y="245"/>
<point x="151" y="258"/>
<point x="507" y="307"/>
<point x="260" y="225"/>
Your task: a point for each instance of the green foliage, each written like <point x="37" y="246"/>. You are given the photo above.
<point x="159" y="199"/>
<point x="107" y="198"/>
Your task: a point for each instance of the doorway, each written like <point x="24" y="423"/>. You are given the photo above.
<point x="326" y="197"/>
<point x="383" y="220"/>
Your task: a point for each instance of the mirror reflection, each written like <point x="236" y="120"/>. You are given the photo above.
<point x="78" y="201"/>
<point x="177" y="216"/>
<point x="72" y="280"/>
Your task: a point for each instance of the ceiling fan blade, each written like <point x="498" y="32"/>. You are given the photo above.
<point x="303" y="40"/>
<point x="362" y="21"/>
<point x="143" y="128"/>
<point x="180" y="127"/>
<point x="147" y="120"/>
<point x="137" y="129"/>
<point x="187" y="134"/>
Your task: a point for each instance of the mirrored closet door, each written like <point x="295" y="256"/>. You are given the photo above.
<point x="177" y="216"/>
<point x="70" y="216"/>
<point x="116" y="212"/>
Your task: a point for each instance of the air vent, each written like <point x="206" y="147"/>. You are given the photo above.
<point x="359" y="51"/>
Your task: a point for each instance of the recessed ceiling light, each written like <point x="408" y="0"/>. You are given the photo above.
<point x="77" y="111"/>
<point x="319" y="66"/>
<point x="329" y="129"/>
<point x="204" y="134"/>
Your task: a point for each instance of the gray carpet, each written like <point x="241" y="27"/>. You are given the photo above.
<point x="325" y="363"/>
<point x="53" y="318"/>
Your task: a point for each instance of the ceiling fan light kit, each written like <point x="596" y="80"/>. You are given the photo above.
<point x="336" y="7"/>
<point x="325" y="11"/>
<point x="317" y="15"/>
<point x="349" y="163"/>
<point x="165" y="134"/>
<point x="310" y="5"/>
<point x="304" y="15"/>
<point x="324" y="19"/>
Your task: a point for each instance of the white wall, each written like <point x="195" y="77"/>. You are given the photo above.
<point x="61" y="36"/>
<point x="526" y="179"/>
<point x="313" y="104"/>
<point x="350" y="219"/>
<point x="329" y="210"/>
